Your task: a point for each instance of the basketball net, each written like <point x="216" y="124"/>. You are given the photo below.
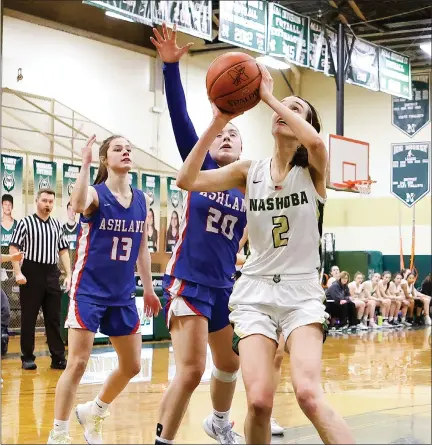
<point x="363" y="187"/>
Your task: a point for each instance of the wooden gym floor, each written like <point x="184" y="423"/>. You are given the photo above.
<point x="379" y="381"/>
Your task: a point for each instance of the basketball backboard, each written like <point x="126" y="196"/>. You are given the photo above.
<point x="348" y="161"/>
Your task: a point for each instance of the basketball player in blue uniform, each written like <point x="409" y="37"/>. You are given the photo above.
<point x="112" y="239"/>
<point x="199" y="275"/>
<point x="279" y="290"/>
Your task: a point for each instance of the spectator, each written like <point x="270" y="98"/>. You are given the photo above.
<point x="43" y="241"/>
<point x="397" y="293"/>
<point x="357" y="293"/>
<point x="335" y="272"/>
<point x="338" y="294"/>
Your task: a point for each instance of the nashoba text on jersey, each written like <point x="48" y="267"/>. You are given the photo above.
<point x="278" y="203"/>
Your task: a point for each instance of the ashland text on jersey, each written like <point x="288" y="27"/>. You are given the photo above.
<point x="107" y="250"/>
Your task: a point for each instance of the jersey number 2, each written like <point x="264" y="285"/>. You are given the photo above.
<point x="125" y="249"/>
<point x="226" y="225"/>
<point x="280" y="231"/>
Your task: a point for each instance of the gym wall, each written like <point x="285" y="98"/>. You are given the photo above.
<point x="369" y="223"/>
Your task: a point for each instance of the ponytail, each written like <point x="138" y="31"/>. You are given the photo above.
<point x="102" y="174"/>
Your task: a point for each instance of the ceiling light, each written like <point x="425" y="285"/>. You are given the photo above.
<point x="273" y="63"/>
<point x="426" y="47"/>
<point x="117" y="16"/>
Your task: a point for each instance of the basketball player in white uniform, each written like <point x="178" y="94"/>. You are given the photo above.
<point x="399" y="302"/>
<point x="412" y="293"/>
<point x="279" y="289"/>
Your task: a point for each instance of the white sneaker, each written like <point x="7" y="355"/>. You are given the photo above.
<point x="373" y="325"/>
<point x="276" y="429"/>
<point x="62" y="437"/>
<point x="224" y="435"/>
<point x="427" y="321"/>
<point x="362" y="326"/>
<point x="91" y="423"/>
<point x="407" y="324"/>
<point x="386" y="324"/>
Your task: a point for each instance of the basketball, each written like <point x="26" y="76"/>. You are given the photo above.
<point x="233" y="81"/>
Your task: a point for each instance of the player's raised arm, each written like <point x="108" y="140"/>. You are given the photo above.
<point x="170" y="53"/>
<point x="190" y="176"/>
<point x="303" y="130"/>
<point x="83" y="197"/>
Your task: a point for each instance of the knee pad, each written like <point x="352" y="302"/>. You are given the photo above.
<point x="222" y="376"/>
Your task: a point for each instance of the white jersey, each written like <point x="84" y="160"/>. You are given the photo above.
<point x="284" y="222"/>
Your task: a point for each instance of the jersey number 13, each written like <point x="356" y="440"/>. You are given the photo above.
<point x="121" y="249"/>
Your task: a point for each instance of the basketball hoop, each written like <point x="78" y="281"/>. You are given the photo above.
<point x="364" y="187"/>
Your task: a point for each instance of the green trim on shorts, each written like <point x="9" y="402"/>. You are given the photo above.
<point x="235" y="342"/>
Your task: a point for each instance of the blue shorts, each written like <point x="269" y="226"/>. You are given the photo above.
<point x="114" y="321"/>
<point x="188" y="298"/>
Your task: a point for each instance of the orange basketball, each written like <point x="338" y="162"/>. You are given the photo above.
<point x="233" y="81"/>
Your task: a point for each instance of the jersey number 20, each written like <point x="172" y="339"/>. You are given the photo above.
<point x="280" y="231"/>
<point x="122" y="252"/>
<point x="215" y="219"/>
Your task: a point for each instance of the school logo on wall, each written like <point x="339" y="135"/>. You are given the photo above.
<point x="8" y="181"/>
<point x="175" y="198"/>
<point x="150" y="192"/>
<point x="70" y="186"/>
<point x="44" y="183"/>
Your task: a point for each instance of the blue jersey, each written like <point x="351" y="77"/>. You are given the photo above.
<point x="212" y="223"/>
<point x="107" y="250"/>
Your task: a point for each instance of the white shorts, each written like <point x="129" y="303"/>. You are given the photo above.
<point x="266" y="306"/>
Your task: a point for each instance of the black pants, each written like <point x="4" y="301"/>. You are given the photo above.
<point x="41" y="290"/>
<point x="346" y="313"/>
<point x="5" y="312"/>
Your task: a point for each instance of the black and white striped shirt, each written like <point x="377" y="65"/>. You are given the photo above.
<point x="40" y="240"/>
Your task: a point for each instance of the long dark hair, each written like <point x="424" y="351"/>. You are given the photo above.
<point x="300" y="157"/>
<point x="102" y="174"/>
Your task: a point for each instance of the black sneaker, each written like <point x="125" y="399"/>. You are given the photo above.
<point x="58" y="364"/>
<point x="29" y="365"/>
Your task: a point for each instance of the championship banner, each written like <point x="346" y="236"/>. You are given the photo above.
<point x="244" y="24"/>
<point x="411" y="115"/>
<point x="12" y="178"/>
<point x="288" y="35"/>
<point x="191" y="17"/>
<point x="317" y="47"/>
<point x="174" y="213"/>
<point x="70" y="175"/>
<point x="134" y="11"/>
<point x="410" y="179"/>
<point x="332" y="52"/>
<point x="394" y="73"/>
<point x="44" y="175"/>
<point x="93" y="174"/>
<point x="133" y="179"/>
<point x="151" y="187"/>
<point x="363" y="66"/>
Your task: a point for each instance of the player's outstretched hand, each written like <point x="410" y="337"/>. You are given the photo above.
<point x="152" y="304"/>
<point x="266" y="86"/>
<point x="166" y="44"/>
<point x="87" y="150"/>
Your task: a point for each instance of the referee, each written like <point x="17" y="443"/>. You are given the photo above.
<point x="42" y="240"/>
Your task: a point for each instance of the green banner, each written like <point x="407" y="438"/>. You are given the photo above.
<point x="93" y="174"/>
<point x="288" y="35"/>
<point x="411" y="115"/>
<point x="12" y="181"/>
<point x="134" y="11"/>
<point x="151" y="187"/>
<point x="332" y="52"/>
<point x="394" y="73"/>
<point x="44" y="175"/>
<point x="363" y="66"/>
<point x="133" y="179"/>
<point x="174" y="214"/>
<point x="191" y="17"/>
<point x="244" y="24"/>
<point x="317" y="47"/>
<point x="70" y="175"/>
<point x="410" y="180"/>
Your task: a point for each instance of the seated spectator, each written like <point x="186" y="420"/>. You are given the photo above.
<point x="398" y="296"/>
<point x="426" y="287"/>
<point x="385" y="300"/>
<point x="341" y="305"/>
<point x="423" y="300"/>
<point x="370" y="288"/>
<point x="357" y="294"/>
<point x="335" y="272"/>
